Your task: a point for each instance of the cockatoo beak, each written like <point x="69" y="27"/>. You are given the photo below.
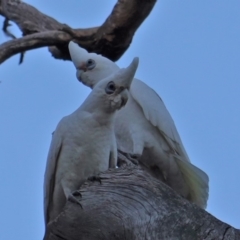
<point x="124" y="98"/>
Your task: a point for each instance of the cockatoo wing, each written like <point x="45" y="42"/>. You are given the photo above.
<point x="49" y="177"/>
<point x="157" y="114"/>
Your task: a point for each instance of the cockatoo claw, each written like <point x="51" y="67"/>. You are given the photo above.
<point x="95" y="178"/>
<point x="127" y="158"/>
<point x="73" y="197"/>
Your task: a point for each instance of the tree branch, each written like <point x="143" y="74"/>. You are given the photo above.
<point x="130" y="204"/>
<point x="111" y="39"/>
<point x="32" y="41"/>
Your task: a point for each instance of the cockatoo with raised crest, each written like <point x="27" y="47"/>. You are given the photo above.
<point x="84" y="143"/>
<point x="145" y="128"/>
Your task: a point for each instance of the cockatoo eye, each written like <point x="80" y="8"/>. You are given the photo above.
<point x="110" y="88"/>
<point x="90" y="64"/>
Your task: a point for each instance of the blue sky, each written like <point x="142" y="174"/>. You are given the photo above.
<point x="189" y="54"/>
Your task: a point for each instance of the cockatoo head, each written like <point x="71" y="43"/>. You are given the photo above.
<point x="111" y="93"/>
<point x="91" y="67"/>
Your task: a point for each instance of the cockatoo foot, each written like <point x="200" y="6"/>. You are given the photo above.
<point x="74" y="198"/>
<point x="95" y="178"/>
<point x="127" y="158"/>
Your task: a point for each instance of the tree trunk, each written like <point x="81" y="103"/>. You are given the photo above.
<point x="130" y="204"/>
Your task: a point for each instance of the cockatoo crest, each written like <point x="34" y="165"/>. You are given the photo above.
<point x="91" y="67"/>
<point x="111" y="93"/>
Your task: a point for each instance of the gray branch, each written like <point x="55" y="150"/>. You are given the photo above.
<point x="130" y="204"/>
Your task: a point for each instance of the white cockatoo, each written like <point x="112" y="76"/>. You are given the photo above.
<point x="145" y="128"/>
<point x="84" y="143"/>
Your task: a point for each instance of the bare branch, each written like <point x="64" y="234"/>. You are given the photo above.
<point x="111" y="39"/>
<point x="32" y="41"/>
<point x="28" y="18"/>
<point x="130" y="204"/>
<point x="6" y="24"/>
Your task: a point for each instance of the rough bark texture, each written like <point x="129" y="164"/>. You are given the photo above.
<point x="130" y="204"/>
<point x="111" y="39"/>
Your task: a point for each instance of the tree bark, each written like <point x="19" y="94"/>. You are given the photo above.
<point x="130" y="204"/>
<point x="111" y="39"/>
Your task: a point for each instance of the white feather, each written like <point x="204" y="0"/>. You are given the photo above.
<point x="84" y="143"/>
<point x="144" y="127"/>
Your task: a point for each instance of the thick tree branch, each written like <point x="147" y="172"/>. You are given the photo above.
<point x="111" y="39"/>
<point x="32" y="41"/>
<point x="130" y="204"/>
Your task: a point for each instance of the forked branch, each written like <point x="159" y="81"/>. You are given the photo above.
<point x="111" y="39"/>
